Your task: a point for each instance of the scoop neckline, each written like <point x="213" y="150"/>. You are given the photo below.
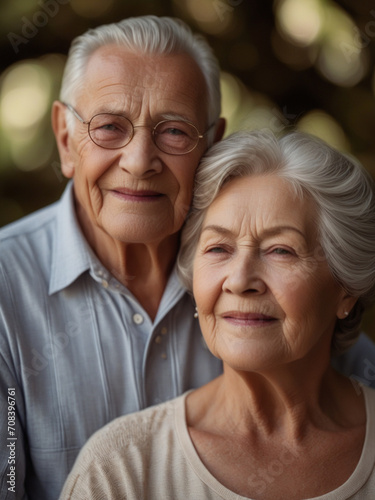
<point x="351" y="486"/>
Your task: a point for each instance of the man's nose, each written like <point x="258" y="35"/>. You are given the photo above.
<point x="140" y="157"/>
<point x="245" y="275"/>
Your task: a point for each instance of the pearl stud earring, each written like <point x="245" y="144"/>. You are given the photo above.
<point x="196" y="312"/>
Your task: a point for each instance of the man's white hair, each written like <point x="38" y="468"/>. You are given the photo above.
<point x="146" y="35"/>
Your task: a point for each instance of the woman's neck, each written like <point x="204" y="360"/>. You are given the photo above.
<point x="263" y="441"/>
<point x="286" y="402"/>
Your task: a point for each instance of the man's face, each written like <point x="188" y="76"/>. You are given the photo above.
<point x="136" y="194"/>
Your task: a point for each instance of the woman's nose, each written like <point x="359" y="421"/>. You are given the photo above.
<point x="244" y="276"/>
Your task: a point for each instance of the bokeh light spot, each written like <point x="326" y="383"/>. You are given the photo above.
<point x="212" y="16"/>
<point x="300" y="20"/>
<point x="324" y="126"/>
<point x="24" y="96"/>
<point x="31" y="155"/>
<point x="334" y="65"/>
<point x="230" y="95"/>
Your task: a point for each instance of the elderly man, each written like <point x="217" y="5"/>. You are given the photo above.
<point x="93" y="321"/>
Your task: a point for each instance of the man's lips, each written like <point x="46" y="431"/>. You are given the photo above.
<point x="248" y="319"/>
<point x="136" y="195"/>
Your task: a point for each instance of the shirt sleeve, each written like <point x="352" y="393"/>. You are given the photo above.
<point x="12" y="416"/>
<point x="359" y="361"/>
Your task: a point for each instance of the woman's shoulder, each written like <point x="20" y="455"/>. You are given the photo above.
<point x="117" y="458"/>
<point x="135" y="429"/>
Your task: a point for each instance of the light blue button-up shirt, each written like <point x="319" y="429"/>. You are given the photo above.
<point x="78" y="349"/>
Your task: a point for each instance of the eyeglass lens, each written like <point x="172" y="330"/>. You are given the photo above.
<point x="115" y="131"/>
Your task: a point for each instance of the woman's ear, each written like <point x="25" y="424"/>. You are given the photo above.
<point x="346" y="305"/>
<point x="62" y="135"/>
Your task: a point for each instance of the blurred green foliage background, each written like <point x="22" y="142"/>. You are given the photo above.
<point x="306" y="64"/>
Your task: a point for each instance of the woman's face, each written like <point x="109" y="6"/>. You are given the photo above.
<point x="263" y="289"/>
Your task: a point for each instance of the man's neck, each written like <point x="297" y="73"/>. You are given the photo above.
<point x="144" y="268"/>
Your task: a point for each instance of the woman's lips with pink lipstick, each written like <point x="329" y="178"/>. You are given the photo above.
<point x="136" y="195"/>
<point x="247" y="319"/>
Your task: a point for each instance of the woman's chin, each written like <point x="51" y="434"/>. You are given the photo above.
<point x="252" y="355"/>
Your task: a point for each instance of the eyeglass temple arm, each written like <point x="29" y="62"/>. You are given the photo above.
<point x="74" y="113"/>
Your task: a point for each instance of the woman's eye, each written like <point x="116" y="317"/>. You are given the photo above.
<point x="215" y="250"/>
<point x="281" y="251"/>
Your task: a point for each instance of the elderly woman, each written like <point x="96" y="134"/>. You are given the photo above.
<point x="279" y="251"/>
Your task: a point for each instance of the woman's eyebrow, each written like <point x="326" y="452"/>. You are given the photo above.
<point x="217" y="229"/>
<point x="266" y="232"/>
<point x="280" y="229"/>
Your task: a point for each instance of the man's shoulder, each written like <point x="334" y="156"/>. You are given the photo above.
<point x="359" y="361"/>
<point x="26" y="245"/>
<point x="29" y="224"/>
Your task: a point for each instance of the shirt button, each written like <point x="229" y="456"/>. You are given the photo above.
<point x="105" y="283"/>
<point x="138" y="318"/>
<point x="163" y="330"/>
<point x="158" y="339"/>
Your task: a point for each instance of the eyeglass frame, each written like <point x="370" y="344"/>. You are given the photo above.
<point x="199" y="137"/>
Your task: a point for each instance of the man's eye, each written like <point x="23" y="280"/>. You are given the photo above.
<point x="110" y="123"/>
<point x="174" y="131"/>
<point x="111" y="127"/>
<point x="174" y="128"/>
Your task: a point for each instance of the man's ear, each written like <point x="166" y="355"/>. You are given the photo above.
<point x="60" y="129"/>
<point x="220" y="129"/>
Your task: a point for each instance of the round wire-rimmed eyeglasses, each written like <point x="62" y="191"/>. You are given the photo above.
<point x="113" y="131"/>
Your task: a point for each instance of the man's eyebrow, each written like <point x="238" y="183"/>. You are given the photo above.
<point x="107" y="110"/>
<point x="120" y="111"/>
<point x="175" y="117"/>
<point x="272" y="231"/>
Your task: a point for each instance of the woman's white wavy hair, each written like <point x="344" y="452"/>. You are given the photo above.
<point x="343" y="192"/>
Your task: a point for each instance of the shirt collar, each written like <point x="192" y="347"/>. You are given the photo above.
<point x="172" y="294"/>
<point x="71" y="254"/>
